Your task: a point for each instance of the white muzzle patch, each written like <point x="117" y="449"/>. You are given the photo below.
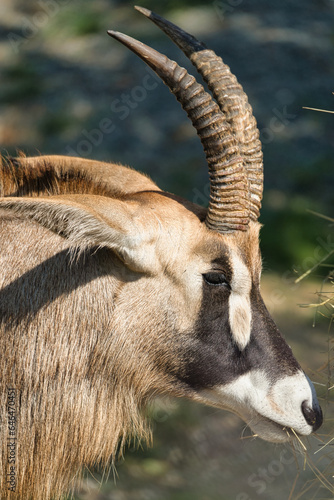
<point x="240" y="315"/>
<point x="267" y="408"/>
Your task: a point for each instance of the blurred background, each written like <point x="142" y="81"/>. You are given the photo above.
<point x="67" y="88"/>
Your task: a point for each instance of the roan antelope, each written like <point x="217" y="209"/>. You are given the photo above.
<point x="113" y="291"/>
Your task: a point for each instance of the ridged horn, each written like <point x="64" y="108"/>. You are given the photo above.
<point x="228" y="207"/>
<point x="231" y="98"/>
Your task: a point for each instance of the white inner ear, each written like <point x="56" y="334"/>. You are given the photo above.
<point x="240" y="315"/>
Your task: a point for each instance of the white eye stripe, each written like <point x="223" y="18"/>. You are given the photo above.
<point x="240" y="315"/>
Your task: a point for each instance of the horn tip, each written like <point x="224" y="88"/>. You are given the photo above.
<point x="143" y="10"/>
<point x="112" y="33"/>
<point x="186" y="42"/>
<point x="126" y="40"/>
<point x="121" y="37"/>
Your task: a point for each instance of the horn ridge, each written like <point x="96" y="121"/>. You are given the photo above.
<point x="230" y="96"/>
<point x="215" y="135"/>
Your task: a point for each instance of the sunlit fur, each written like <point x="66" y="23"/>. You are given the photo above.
<point x="100" y="301"/>
<point x="81" y="363"/>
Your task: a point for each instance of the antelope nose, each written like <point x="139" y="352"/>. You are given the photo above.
<point x="313" y="416"/>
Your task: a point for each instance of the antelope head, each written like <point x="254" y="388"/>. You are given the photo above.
<point x="233" y="355"/>
<point x="178" y="301"/>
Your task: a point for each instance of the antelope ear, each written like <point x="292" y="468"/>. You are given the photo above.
<point x="90" y="220"/>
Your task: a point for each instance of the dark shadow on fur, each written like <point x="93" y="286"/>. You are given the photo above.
<point x="59" y="275"/>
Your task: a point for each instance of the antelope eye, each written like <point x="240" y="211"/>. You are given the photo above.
<point x="216" y="279"/>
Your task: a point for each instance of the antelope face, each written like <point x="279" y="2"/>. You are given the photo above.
<point x="234" y="356"/>
<point x="231" y="353"/>
<point x="239" y="360"/>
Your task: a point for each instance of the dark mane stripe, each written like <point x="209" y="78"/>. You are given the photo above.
<point x="21" y="178"/>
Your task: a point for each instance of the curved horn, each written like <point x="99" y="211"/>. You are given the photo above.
<point x="228" y="208"/>
<point x="231" y="98"/>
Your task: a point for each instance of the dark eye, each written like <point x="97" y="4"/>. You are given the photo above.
<point x="215" y="278"/>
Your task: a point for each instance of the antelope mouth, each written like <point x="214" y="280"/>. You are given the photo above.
<point x="272" y="431"/>
<point x="275" y="412"/>
<point x="264" y="427"/>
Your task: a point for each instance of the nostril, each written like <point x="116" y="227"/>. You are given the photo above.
<point x="313" y="416"/>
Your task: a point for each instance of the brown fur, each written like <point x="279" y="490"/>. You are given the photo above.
<point x="87" y="340"/>
<point x="82" y="366"/>
<point x="60" y="378"/>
